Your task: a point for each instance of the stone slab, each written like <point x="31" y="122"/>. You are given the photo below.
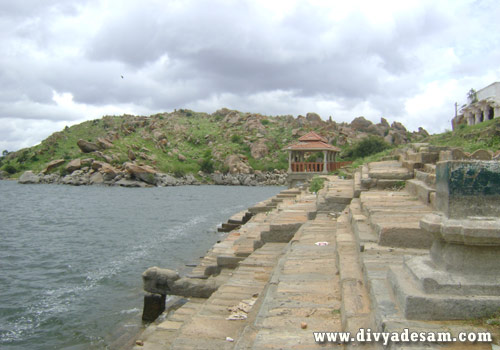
<point x="432" y="280"/>
<point x="417" y="305"/>
<point x="406" y="234"/>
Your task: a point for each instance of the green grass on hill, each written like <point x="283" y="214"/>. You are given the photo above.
<point x="485" y="135"/>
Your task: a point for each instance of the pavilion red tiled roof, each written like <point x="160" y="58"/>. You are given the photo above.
<point x="312" y="145"/>
<point x="312" y="136"/>
<point x="313" y="142"/>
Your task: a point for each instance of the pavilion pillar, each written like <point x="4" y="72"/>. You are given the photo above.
<point x="325" y="163"/>
<point x="290" y="161"/>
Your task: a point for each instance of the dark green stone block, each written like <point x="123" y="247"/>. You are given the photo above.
<point x="468" y="188"/>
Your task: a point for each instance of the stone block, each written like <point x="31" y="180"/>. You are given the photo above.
<point x="468" y="188"/>
<point x="427" y="157"/>
<point x="405" y="234"/>
<point x="481" y="154"/>
<point x="154" y="305"/>
<point x="412" y="165"/>
<point x="158" y="280"/>
<point x="419" y="189"/>
<point x="228" y="261"/>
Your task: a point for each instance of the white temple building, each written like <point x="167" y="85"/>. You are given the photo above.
<point x="482" y="105"/>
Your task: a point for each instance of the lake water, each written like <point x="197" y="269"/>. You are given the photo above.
<point x="71" y="258"/>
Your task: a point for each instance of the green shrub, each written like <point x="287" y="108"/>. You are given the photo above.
<point x="314" y="157"/>
<point x="236" y="138"/>
<point x="367" y="146"/>
<point x="179" y="172"/>
<point x="264" y="122"/>
<point x="316" y="184"/>
<point x="207" y="165"/>
<point x="9" y="168"/>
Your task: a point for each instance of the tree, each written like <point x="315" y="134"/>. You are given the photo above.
<point x="5" y="152"/>
<point x="472" y="96"/>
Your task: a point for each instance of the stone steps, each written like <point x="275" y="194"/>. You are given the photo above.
<point x="162" y="334"/>
<point x="303" y="289"/>
<point x="356" y="305"/>
<point x="425" y="176"/>
<point x="208" y="327"/>
<point x="421" y="190"/>
<point x="394" y="218"/>
<point x="378" y="263"/>
<point x="357" y="188"/>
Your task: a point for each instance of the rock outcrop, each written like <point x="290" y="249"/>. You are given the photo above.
<point x="52" y="165"/>
<point x="141" y="172"/>
<point x="86" y="146"/>
<point x="237" y="164"/>
<point x="75" y="164"/>
<point x="29" y="178"/>
<point x="259" y="149"/>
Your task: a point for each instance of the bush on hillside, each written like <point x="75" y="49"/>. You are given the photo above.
<point x="9" y="168"/>
<point x="207" y="164"/>
<point x="367" y="146"/>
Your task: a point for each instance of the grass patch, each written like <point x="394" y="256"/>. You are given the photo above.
<point x="485" y="135"/>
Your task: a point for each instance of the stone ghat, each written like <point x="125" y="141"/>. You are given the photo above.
<point x="332" y="262"/>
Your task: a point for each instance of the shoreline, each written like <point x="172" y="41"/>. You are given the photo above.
<point x="126" y="339"/>
<point x="79" y="178"/>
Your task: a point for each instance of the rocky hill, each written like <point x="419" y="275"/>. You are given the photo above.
<point x="187" y="145"/>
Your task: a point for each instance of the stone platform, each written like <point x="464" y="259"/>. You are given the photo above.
<point x="299" y="268"/>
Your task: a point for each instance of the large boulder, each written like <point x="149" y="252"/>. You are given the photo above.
<point x="422" y="132"/>
<point x="96" y="178"/>
<point x="52" y="165"/>
<point x="108" y="172"/>
<point x="159" y="135"/>
<point x="104" y="143"/>
<point x="131" y="155"/>
<point x="75" y="164"/>
<point x="384" y="123"/>
<point x="87" y="147"/>
<point x="376" y="130"/>
<point x="232" y="117"/>
<point x="360" y="124"/>
<point x="259" y="149"/>
<point x="398" y="126"/>
<point x="141" y="172"/>
<point x="314" y="118"/>
<point x="237" y="164"/>
<point x="28" y="177"/>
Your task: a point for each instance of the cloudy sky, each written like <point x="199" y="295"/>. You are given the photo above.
<point x="62" y="61"/>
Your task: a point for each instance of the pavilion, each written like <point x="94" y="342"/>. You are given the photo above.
<point x="307" y="146"/>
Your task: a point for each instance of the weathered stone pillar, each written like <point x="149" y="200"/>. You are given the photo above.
<point x="460" y="278"/>
<point x="290" y="161"/>
<point x="325" y="163"/>
<point x="477" y="116"/>
<point x="496" y="111"/>
<point x="468" y="118"/>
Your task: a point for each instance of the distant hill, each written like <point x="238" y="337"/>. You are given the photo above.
<point x="187" y="142"/>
